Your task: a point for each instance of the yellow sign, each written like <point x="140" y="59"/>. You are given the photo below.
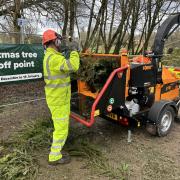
<point x="97" y="113"/>
<point x="151" y="89"/>
<point x="112" y="116"/>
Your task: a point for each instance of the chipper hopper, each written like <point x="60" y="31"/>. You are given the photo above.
<point x="137" y="90"/>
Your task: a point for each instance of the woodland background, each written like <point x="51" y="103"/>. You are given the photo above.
<point x="101" y="25"/>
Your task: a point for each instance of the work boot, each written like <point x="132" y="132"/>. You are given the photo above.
<point x="64" y="160"/>
<point x="64" y="153"/>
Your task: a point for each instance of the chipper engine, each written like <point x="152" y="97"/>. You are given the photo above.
<point x="133" y="91"/>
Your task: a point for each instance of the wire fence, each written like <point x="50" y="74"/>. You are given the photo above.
<point x="16" y="37"/>
<point x="20" y="104"/>
<point x="23" y="101"/>
<point x="21" y="92"/>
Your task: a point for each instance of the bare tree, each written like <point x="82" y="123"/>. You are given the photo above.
<point x="111" y="24"/>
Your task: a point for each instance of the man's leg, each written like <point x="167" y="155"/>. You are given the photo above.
<point x="60" y="116"/>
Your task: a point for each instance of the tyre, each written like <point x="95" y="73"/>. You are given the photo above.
<point x="165" y="121"/>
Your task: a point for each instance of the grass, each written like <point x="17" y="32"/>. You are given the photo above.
<point x="18" y="165"/>
<point x="18" y="158"/>
<point x="96" y="160"/>
<point x="81" y="144"/>
<point x="33" y="136"/>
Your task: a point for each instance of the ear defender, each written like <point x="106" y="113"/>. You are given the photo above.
<point x="58" y="40"/>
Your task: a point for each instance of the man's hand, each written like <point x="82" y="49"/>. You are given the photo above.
<point x="74" y="46"/>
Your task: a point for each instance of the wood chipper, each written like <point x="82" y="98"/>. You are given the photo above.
<point x="140" y="91"/>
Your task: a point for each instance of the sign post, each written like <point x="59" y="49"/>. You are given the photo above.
<point x="22" y="23"/>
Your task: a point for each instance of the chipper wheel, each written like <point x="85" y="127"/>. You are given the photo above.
<point x="163" y="120"/>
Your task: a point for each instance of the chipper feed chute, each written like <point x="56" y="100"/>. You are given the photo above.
<point x="86" y="104"/>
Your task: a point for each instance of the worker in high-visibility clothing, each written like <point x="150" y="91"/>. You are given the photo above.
<point x="58" y="91"/>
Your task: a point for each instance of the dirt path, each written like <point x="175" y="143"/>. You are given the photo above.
<point x="147" y="157"/>
<point x="13" y="118"/>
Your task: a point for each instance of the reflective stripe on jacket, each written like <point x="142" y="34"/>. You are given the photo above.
<point x="56" y="75"/>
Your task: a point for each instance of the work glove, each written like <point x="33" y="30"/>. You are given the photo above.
<point x="74" y="46"/>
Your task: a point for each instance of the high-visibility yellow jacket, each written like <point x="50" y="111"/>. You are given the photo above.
<point x="56" y="75"/>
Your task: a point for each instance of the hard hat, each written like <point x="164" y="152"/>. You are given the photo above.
<point x="49" y="35"/>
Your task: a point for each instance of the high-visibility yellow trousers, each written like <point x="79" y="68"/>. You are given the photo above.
<point x="60" y="117"/>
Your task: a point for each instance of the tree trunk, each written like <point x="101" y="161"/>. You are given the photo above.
<point x="16" y="15"/>
<point x="135" y="18"/>
<point x="66" y="17"/>
<point x="89" y="26"/>
<point x="72" y="5"/>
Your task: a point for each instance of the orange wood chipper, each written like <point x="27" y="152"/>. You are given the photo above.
<point x="140" y="91"/>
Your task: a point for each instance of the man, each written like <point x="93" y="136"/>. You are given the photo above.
<point x="58" y="91"/>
